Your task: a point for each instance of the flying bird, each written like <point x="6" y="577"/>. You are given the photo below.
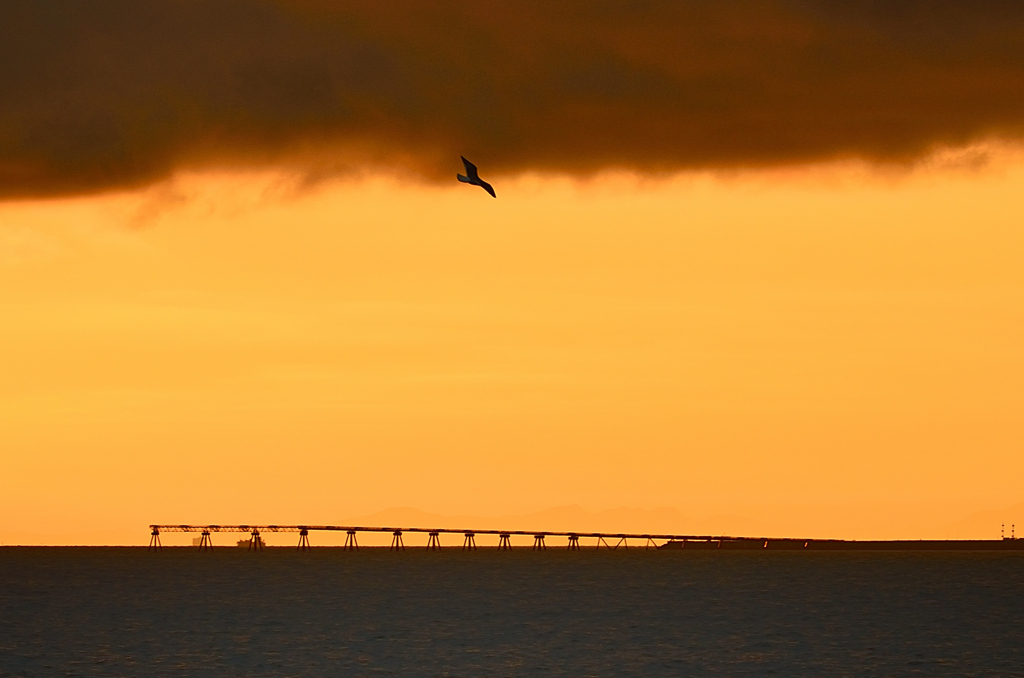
<point x="474" y="178"/>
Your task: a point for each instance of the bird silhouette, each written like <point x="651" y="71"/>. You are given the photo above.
<point x="473" y="178"/>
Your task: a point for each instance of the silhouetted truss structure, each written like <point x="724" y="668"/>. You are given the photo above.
<point x="433" y="536"/>
<point x="602" y="539"/>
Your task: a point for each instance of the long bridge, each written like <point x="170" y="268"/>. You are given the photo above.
<point x="601" y="539"/>
<point x="398" y="542"/>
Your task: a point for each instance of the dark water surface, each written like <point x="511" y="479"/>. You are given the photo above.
<point x="128" y="612"/>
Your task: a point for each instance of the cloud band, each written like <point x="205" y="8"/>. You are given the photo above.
<point x="97" y="96"/>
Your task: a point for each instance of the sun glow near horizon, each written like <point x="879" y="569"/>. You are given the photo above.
<point x="242" y="347"/>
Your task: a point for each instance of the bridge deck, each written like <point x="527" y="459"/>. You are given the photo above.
<point x="440" y="530"/>
<point x="672" y="541"/>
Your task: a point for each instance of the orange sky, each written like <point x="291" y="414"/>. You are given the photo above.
<point x="820" y="351"/>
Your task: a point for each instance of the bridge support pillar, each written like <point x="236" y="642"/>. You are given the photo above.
<point x="538" y="543"/>
<point x="303" y="540"/>
<point x="469" y="544"/>
<point x="396" y="541"/>
<point x="350" y="541"/>
<point x="600" y="540"/>
<point x="433" y="541"/>
<point x="650" y="543"/>
<point x="205" y="542"/>
<point x="574" y="542"/>
<point x="621" y="542"/>
<point x="255" y="541"/>
<point x="503" y="542"/>
<point x="154" y="540"/>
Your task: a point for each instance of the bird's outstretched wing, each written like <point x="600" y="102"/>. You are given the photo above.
<point x="470" y="168"/>
<point x="487" y="187"/>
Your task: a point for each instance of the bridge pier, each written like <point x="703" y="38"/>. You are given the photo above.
<point x="668" y="541"/>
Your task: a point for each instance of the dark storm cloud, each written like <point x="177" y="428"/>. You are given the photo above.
<point x="100" y="95"/>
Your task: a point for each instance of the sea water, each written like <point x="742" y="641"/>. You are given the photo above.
<point x="328" y="612"/>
